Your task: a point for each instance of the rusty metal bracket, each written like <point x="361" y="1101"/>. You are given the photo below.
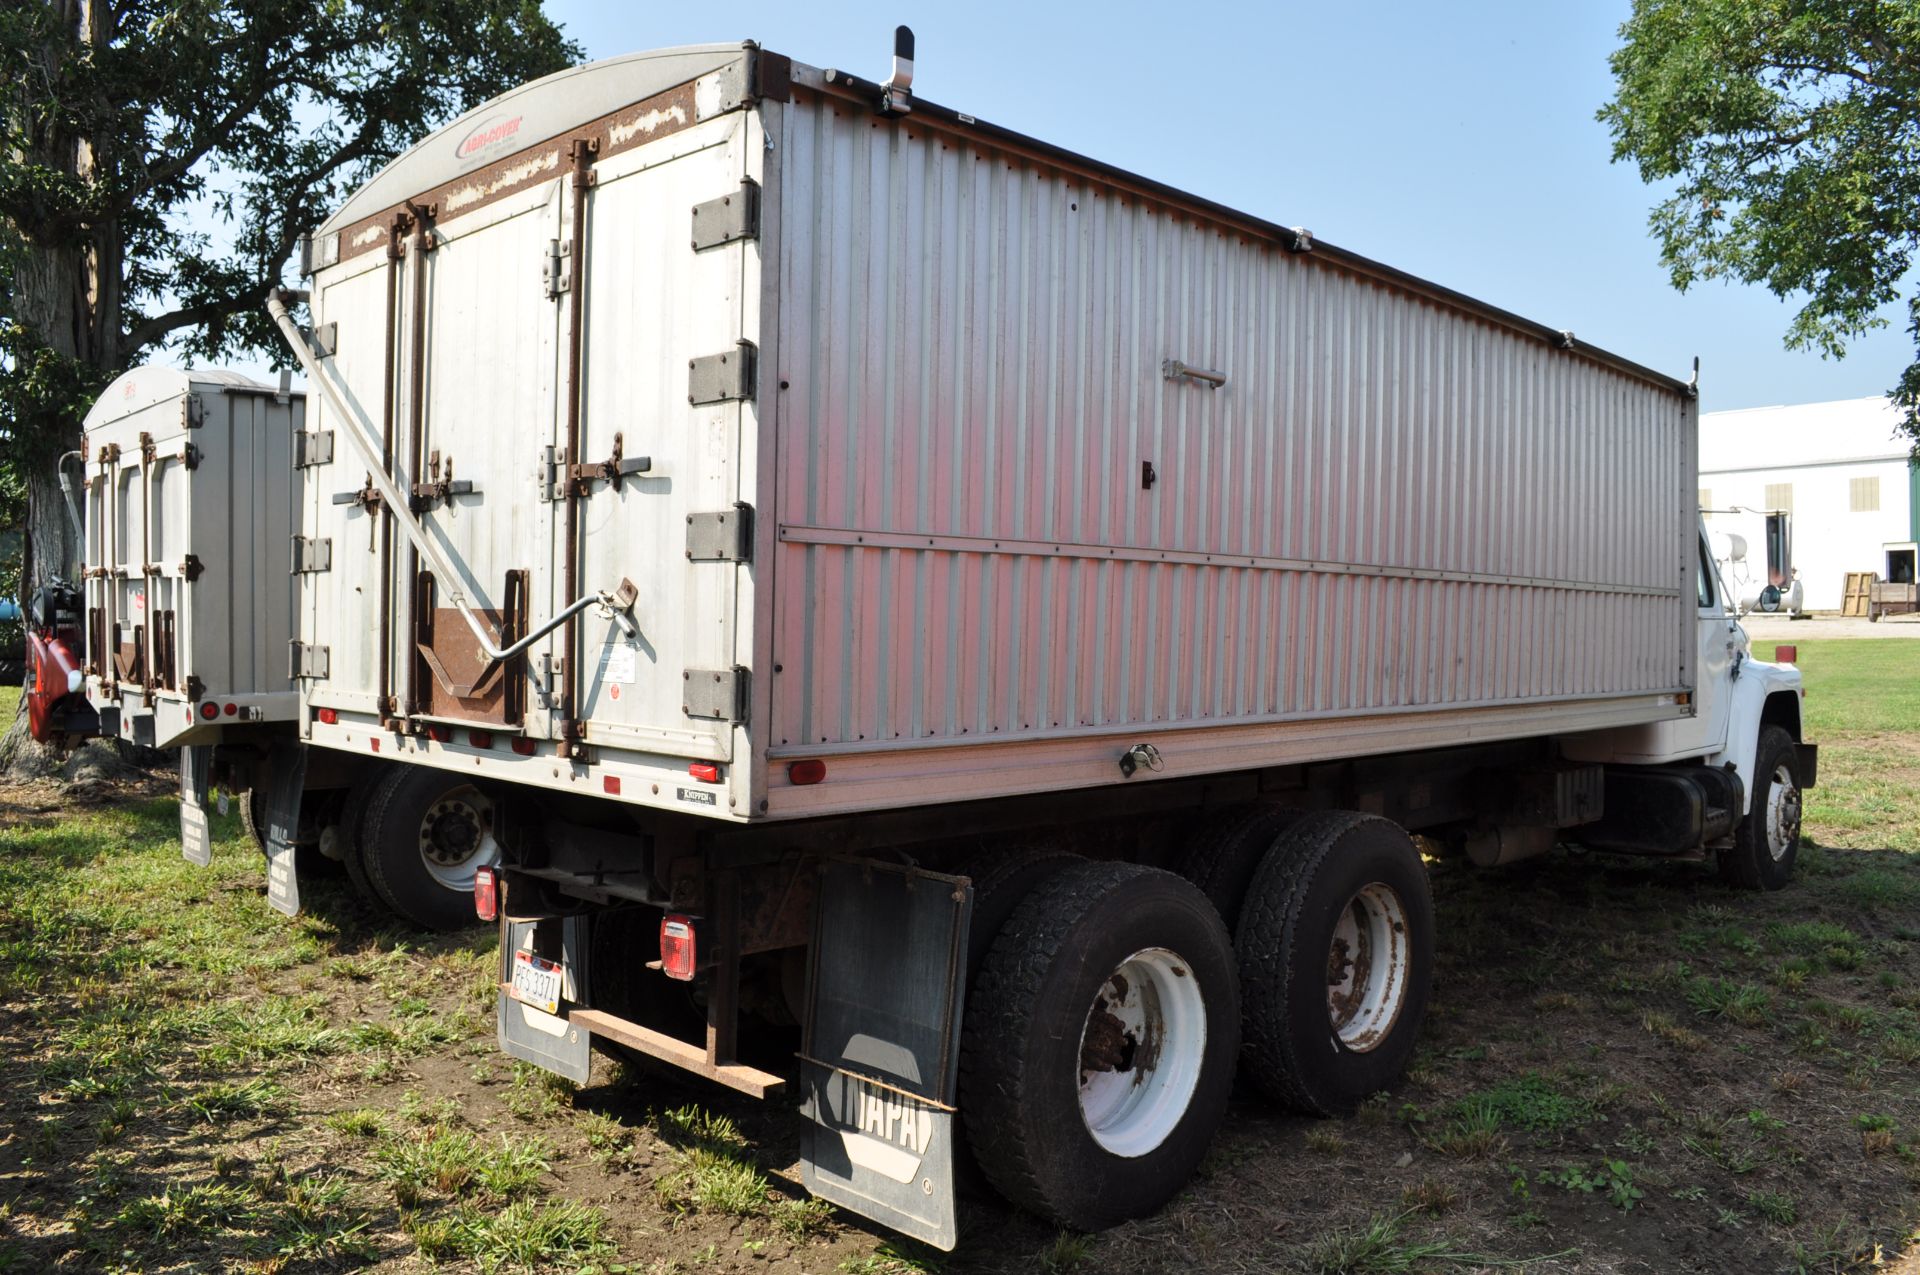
<point x="440" y="489"/>
<point x="614" y="470"/>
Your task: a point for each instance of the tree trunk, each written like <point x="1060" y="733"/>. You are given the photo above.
<point x="69" y="296"/>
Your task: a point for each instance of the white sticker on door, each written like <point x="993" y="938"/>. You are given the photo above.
<point x="617" y="663"/>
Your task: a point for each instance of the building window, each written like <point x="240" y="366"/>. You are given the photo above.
<point x="1706" y="498"/>
<point x="1864" y="496"/>
<point x="1780" y="498"/>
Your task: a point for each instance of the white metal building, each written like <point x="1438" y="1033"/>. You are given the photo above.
<point x="1840" y="469"/>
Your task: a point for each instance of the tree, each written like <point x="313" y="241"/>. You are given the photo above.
<point x="120" y="120"/>
<point x="1791" y="129"/>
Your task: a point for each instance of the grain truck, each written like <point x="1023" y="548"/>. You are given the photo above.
<point x="176" y="636"/>
<point x="967" y="636"/>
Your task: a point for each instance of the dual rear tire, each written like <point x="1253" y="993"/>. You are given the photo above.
<point x="411" y="841"/>
<point x="1106" y="1018"/>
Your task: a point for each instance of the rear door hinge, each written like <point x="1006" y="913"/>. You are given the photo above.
<point x="312" y="447"/>
<point x="728" y="219"/>
<point x="193" y="412"/>
<point x="311" y="555"/>
<point x="716" y="694"/>
<point x="308" y="661"/>
<point x="721" y="378"/>
<point x="191" y="567"/>
<point x="723" y="536"/>
<point x="556" y="273"/>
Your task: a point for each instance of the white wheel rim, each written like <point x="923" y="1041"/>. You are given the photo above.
<point x="1367" y="967"/>
<point x="1783" y="813"/>
<point x="456" y="837"/>
<point x="1141" y="1050"/>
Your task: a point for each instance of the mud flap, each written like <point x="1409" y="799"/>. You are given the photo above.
<point x="196" y="770"/>
<point x="528" y="1032"/>
<point x="882" y="1045"/>
<point x="286" y="784"/>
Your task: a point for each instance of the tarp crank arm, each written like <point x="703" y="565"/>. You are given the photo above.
<point x="322" y="375"/>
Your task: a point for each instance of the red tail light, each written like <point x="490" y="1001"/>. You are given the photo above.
<point x="440" y="734"/>
<point x="807" y="772"/>
<point x="1786" y="653"/>
<point x="232" y="709"/>
<point x="704" y="771"/>
<point x="327" y="716"/>
<point x="679" y="954"/>
<point x="525" y="747"/>
<point x="612" y="785"/>
<point x="480" y="738"/>
<point x="486" y="894"/>
<point x="209" y="710"/>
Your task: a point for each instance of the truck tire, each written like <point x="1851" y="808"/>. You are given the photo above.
<point x="353" y="829"/>
<point x="1768" y="839"/>
<point x="1001" y="880"/>
<point x="308" y="861"/>
<point x="1336" y="961"/>
<point x="1224" y="855"/>
<point x="425" y="833"/>
<point x="1099" y="1044"/>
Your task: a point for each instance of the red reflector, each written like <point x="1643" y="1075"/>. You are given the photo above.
<point x="807" y="772"/>
<point x="486" y="895"/>
<point x="439" y="734"/>
<point x="525" y="747"/>
<point x="209" y="710"/>
<point x="705" y="771"/>
<point x="480" y="738"/>
<point x="612" y="784"/>
<point x="374" y="744"/>
<point x="678" y="956"/>
<point x="1786" y="653"/>
<point x="232" y="709"/>
<point x="327" y="716"/>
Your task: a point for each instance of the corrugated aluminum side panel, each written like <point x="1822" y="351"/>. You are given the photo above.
<point x="1389" y="506"/>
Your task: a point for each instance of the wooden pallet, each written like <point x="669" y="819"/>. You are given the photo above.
<point x="1858" y="596"/>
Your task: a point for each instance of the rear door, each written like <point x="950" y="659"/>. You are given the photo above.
<point x="492" y="332"/>
<point x="664" y="375"/>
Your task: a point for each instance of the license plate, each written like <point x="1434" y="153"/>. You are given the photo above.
<point x="536" y="982"/>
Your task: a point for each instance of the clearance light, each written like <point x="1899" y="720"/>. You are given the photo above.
<point x="704" y="771"/>
<point x="327" y="716"/>
<point x="811" y="771"/>
<point x="480" y="738"/>
<point x="679" y="955"/>
<point x="232" y="709"/>
<point x="525" y="747"/>
<point x="209" y="710"/>
<point x="486" y="894"/>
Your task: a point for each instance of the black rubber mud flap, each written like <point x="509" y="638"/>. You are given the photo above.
<point x="528" y="1032"/>
<point x="882" y="1045"/>
<point x="286" y="784"/>
<point x="196" y="768"/>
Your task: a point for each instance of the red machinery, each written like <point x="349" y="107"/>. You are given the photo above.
<point x="57" y="711"/>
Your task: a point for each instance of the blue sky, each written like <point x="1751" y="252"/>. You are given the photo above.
<point x="1456" y="141"/>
